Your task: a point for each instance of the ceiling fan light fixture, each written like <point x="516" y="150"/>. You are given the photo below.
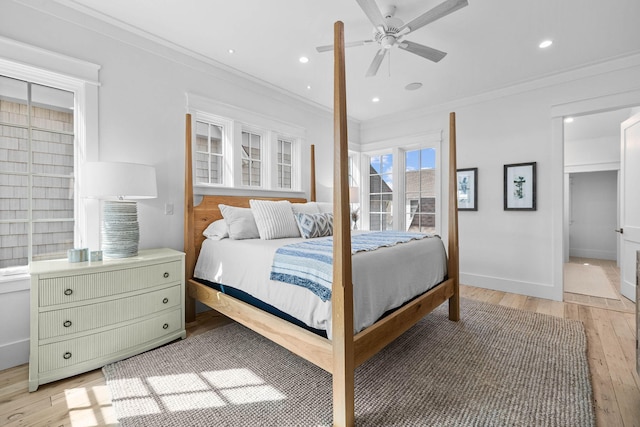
<point x="545" y="44"/>
<point x="413" y="86"/>
<point x="387" y="42"/>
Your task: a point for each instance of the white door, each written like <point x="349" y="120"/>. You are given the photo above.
<point x="629" y="204"/>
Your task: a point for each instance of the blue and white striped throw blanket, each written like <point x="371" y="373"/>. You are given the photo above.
<point x="310" y="263"/>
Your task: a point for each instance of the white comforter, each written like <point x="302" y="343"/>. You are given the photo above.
<point x="382" y="279"/>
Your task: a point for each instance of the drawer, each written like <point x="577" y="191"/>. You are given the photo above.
<point x="81" y="287"/>
<point x="92" y="316"/>
<point x="67" y="353"/>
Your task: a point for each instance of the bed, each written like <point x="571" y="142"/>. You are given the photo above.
<point x="351" y="342"/>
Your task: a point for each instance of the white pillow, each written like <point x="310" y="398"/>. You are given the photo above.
<point x="240" y="222"/>
<point x="217" y="230"/>
<point x="325" y="207"/>
<point x="305" y="208"/>
<point x="274" y="219"/>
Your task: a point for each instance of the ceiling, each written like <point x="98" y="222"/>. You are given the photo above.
<point x="593" y="126"/>
<point x="491" y="44"/>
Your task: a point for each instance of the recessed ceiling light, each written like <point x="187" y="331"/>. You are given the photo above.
<point x="375" y="99"/>
<point x="308" y="86"/>
<point x="413" y="86"/>
<point x="231" y="51"/>
<point x="545" y="44"/>
<point x="568" y="120"/>
<point x="303" y="59"/>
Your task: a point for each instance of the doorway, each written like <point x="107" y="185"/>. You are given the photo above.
<point x="592" y="162"/>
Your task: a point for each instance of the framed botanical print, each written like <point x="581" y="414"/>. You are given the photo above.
<point x="520" y="187"/>
<point x="468" y="189"/>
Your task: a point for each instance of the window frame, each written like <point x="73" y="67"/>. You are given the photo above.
<point x="263" y="160"/>
<point x="29" y="63"/>
<point x="398" y="148"/>
<point x="239" y="120"/>
<point x="280" y="174"/>
<point x="227" y="148"/>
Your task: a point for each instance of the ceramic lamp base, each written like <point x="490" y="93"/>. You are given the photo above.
<point x="120" y="231"/>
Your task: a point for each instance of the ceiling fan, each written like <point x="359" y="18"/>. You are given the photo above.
<point x="389" y="31"/>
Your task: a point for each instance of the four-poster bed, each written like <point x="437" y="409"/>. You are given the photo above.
<point x="344" y="351"/>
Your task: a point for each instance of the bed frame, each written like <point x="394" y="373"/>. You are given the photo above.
<point x="341" y="355"/>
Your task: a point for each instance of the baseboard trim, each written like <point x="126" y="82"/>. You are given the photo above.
<point x="14" y="354"/>
<point x="592" y="253"/>
<point x="538" y="290"/>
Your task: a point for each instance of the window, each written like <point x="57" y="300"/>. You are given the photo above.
<point x="209" y="161"/>
<point x="37" y="158"/>
<point x="240" y="149"/>
<point x="381" y="192"/>
<point x="403" y="187"/>
<point x="420" y="190"/>
<point x="251" y="159"/>
<point x="284" y="162"/>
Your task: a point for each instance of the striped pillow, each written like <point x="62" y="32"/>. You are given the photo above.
<point x="274" y="219"/>
<point x="315" y="225"/>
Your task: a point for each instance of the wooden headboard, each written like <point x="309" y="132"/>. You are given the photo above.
<point x="208" y="211"/>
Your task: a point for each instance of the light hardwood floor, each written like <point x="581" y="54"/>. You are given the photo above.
<point x="84" y="400"/>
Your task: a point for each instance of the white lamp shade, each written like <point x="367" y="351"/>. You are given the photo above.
<point x="354" y="195"/>
<point x="115" y="180"/>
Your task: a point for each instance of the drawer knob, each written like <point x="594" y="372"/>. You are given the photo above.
<point x="166" y="274"/>
<point x="67" y="355"/>
<point x="66" y="323"/>
<point x="165" y="300"/>
<point x="165" y="326"/>
<point x="68" y="291"/>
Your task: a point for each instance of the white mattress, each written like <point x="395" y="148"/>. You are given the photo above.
<point x="382" y="279"/>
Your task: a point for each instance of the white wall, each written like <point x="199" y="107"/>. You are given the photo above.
<point x="505" y="250"/>
<point x="14" y="321"/>
<point x="141" y="118"/>
<point x="597" y="153"/>
<point x="593" y="214"/>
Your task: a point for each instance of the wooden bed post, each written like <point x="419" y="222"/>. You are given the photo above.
<point x="189" y="243"/>
<point x="453" y="267"/>
<point x="342" y="289"/>
<point x="312" y="182"/>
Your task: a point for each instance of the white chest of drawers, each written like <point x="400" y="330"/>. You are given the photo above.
<point x="86" y="315"/>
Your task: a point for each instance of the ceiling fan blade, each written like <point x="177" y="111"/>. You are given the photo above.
<point x="427" y="52"/>
<point x="375" y="64"/>
<point x="329" y="47"/>
<point x="443" y="9"/>
<point x="370" y="8"/>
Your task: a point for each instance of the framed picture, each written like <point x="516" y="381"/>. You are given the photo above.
<point x="468" y="189"/>
<point x="520" y="187"/>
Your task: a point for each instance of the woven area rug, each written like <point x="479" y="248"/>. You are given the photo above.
<point x="496" y="367"/>
<point x="588" y="280"/>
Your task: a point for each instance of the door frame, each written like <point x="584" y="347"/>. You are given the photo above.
<point x="558" y="201"/>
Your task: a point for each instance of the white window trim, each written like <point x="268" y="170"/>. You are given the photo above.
<point x="227" y="148"/>
<point x="398" y="147"/>
<point x="265" y="159"/>
<point x="296" y="161"/>
<point x="239" y="120"/>
<point x="25" y="62"/>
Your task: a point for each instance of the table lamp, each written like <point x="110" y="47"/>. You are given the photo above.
<point x="118" y="185"/>
<point x="354" y="198"/>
